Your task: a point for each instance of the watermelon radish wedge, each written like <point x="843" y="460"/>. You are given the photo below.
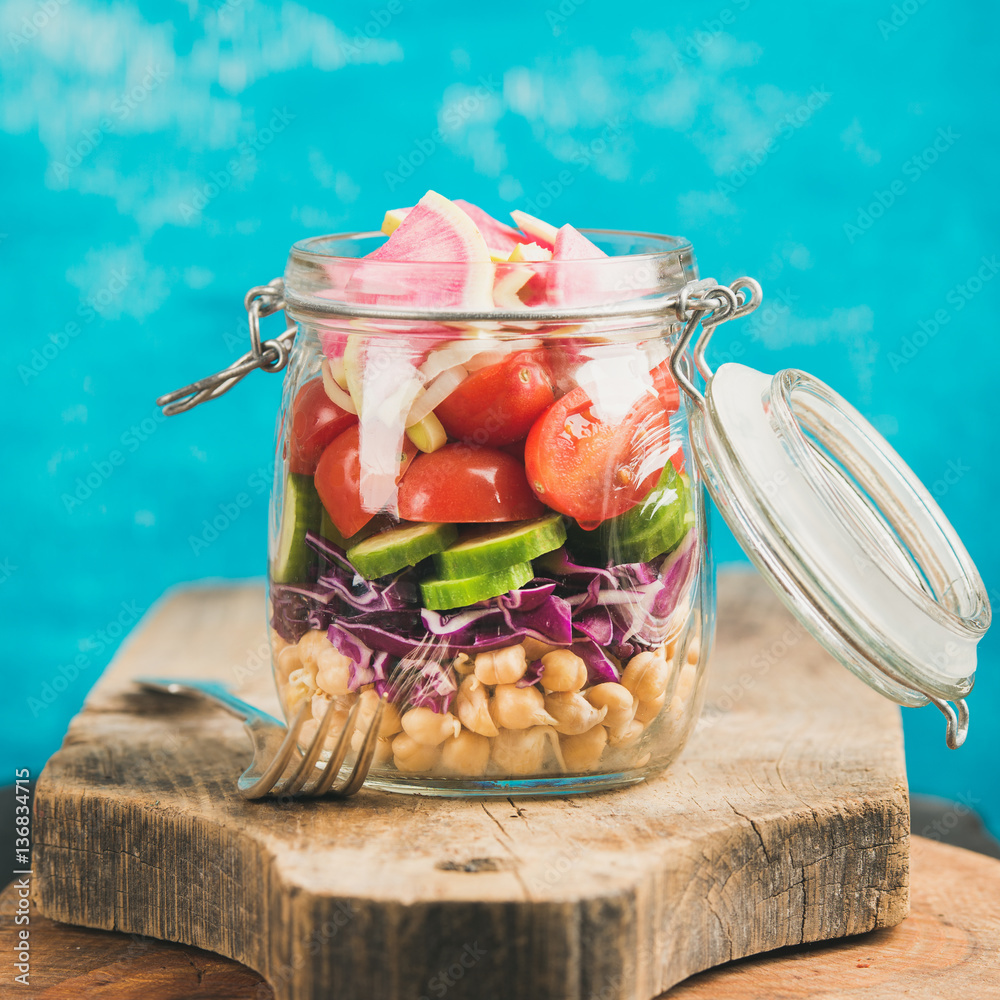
<point x="540" y="232"/>
<point x="568" y="286"/>
<point x="510" y="279"/>
<point x="392" y="219"/>
<point x="500" y="238"/>
<point x="530" y="252"/>
<point x="435" y="230"/>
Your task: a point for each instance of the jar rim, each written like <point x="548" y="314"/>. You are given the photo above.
<point x="671" y="245"/>
<point x="643" y="279"/>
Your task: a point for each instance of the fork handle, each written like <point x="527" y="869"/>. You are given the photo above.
<point x="211" y="691"/>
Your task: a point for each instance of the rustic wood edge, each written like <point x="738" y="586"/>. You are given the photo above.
<point x="867" y="835"/>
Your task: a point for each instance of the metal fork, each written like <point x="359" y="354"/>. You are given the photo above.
<point x="275" y="745"/>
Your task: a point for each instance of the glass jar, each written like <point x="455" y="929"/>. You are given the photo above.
<point x="489" y="515"/>
<point x="494" y="519"/>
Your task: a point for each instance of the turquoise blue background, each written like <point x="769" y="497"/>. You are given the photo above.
<point x="159" y="158"/>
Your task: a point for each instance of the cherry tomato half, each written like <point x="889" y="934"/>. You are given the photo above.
<point x="460" y="482"/>
<point x="589" y="469"/>
<point x="316" y="420"/>
<point x="497" y="405"/>
<point x="338" y="480"/>
<point x="666" y="386"/>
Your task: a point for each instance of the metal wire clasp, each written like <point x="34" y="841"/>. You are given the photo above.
<point x="710" y="304"/>
<point x="268" y="355"/>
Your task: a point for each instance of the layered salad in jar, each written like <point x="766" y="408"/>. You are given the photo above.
<point x="489" y="524"/>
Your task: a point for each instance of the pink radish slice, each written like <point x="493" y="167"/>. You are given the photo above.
<point x="436" y="230"/>
<point x="540" y="232"/>
<point x="498" y="236"/>
<point x="571" y="244"/>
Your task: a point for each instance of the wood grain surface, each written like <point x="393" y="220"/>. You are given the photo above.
<point x="785" y="821"/>
<point x="948" y="948"/>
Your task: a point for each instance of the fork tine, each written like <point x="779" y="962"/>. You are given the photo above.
<point x="365" y="755"/>
<point x="269" y="777"/>
<point x="301" y="774"/>
<point x="336" y="758"/>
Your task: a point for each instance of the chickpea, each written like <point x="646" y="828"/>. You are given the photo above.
<point x="472" y="706"/>
<point x="278" y="643"/>
<point x="429" y="728"/>
<point x="308" y="733"/>
<point x="519" y="708"/>
<point x="411" y="756"/>
<point x="311" y="645"/>
<point x="390" y="724"/>
<point x="563" y="671"/>
<point x="333" y="671"/>
<point x="383" y="748"/>
<point x="627" y="735"/>
<point x="693" y="651"/>
<point x="463" y="664"/>
<point x="616" y="698"/>
<point x="669" y="647"/>
<point x="501" y="666"/>
<point x="520" y="751"/>
<point x="583" y="752"/>
<point x="646" y="676"/>
<point x="296" y="691"/>
<point x="572" y="712"/>
<point x="289" y="662"/>
<point x="535" y="649"/>
<point x="646" y="711"/>
<point x="687" y="680"/>
<point x="466" y="755"/>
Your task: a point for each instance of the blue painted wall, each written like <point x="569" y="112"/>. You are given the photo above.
<point x="159" y="158"/>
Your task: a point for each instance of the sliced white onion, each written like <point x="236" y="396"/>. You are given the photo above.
<point x="333" y="390"/>
<point x="435" y="393"/>
<point x="472" y="354"/>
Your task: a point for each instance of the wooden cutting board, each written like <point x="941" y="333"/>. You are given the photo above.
<point x="785" y="821"/>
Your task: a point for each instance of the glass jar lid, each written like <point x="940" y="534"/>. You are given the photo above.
<point x="843" y="530"/>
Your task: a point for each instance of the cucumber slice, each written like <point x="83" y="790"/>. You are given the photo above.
<point x="650" y="529"/>
<point x="329" y="530"/>
<point x="388" y="551"/>
<point x="486" y="552"/>
<point x="301" y="511"/>
<point x="440" y="595"/>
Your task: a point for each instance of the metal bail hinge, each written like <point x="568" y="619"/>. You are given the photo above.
<point x="710" y="304"/>
<point x="268" y="355"/>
